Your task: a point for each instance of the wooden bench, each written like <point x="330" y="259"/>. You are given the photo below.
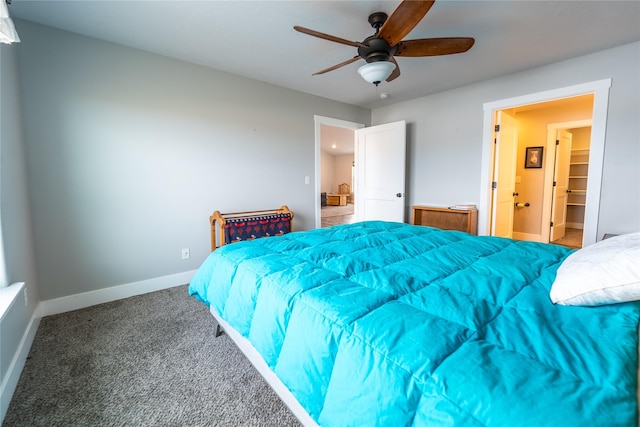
<point x="238" y="226"/>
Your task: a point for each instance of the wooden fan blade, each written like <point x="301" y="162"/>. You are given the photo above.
<point x="396" y="73"/>
<point x="342" y="64"/>
<point x="403" y="20"/>
<point x="329" y="37"/>
<point x="434" y="46"/>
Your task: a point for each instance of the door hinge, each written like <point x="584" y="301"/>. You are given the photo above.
<point x="551" y="224"/>
<point x="557" y="142"/>
<point x="497" y="128"/>
<point x="554" y="183"/>
<point x="494" y="185"/>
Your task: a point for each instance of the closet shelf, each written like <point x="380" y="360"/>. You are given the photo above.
<point x="578" y="177"/>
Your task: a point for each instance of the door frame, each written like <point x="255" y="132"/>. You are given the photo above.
<point x="319" y="121"/>
<point x="600" y="90"/>
<point x="547" y="198"/>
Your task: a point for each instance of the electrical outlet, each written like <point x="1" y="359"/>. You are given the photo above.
<point x="185" y="253"/>
<point x="26" y="296"/>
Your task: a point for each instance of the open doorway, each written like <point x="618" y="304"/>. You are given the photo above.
<point x="535" y="200"/>
<point x="337" y="162"/>
<point x="378" y="174"/>
<point x="335" y="156"/>
<point x="569" y="183"/>
<point x="593" y="98"/>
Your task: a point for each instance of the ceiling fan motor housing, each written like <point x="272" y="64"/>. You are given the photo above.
<point x="377" y="50"/>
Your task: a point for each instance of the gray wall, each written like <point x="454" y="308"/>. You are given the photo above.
<point x="14" y="200"/>
<point x="16" y="223"/>
<point x="444" y="136"/>
<point x="129" y="153"/>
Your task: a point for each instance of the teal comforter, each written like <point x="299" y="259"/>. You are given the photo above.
<point x="389" y="324"/>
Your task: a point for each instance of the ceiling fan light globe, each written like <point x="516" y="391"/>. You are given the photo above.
<point x="376" y="72"/>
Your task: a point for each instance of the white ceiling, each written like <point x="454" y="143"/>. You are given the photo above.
<point x="256" y="39"/>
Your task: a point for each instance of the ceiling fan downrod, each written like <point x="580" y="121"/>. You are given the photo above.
<point x="377" y="49"/>
<point x="377" y="20"/>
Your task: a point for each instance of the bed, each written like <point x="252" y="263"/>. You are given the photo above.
<point x="390" y="324"/>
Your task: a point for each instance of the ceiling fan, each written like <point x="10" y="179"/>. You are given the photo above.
<point x="380" y="49"/>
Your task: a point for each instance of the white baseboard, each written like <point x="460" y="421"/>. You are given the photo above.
<point x="17" y="363"/>
<point x="87" y="299"/>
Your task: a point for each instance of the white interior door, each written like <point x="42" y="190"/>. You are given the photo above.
<point x="380" y="178"/>
<point x="560" y="185"/>
<point x="504" y="175"/>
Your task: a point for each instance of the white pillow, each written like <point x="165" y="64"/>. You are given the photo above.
<point x="606" y="272"/>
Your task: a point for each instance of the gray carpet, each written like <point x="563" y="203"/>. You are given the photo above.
<point x="141" y="361"/>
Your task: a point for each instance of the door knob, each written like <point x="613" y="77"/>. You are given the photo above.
<point x="398" y="194"/>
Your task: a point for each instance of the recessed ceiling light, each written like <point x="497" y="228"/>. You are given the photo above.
<point x="384" y="95"/>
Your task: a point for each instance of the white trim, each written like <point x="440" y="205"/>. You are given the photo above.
<point x="8" y="296"/>
<point x="14" y="370"/>
<point x="269" y="376"/>
<point x="100" y="296"/>
<point x="596" y="164"/>
<point x="3" y="266"/>
<point x="321" y="120"/>
<point x="600" y="89"/>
